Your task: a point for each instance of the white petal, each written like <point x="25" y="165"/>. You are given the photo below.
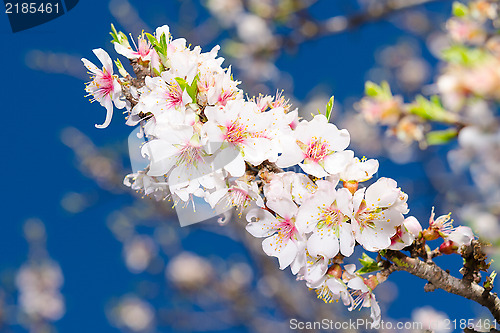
<point x="236" y="167"/>
<point x="300" y="259"/>
<point x="291" y="155"/>
<point x="265" y="224"/>
<point x="90" y="66"/>
<point x="461" y="236"/>
<point x="342" y="140"/>
<point x="375" y="311"/>
<point x="285" y="208"/>
<point x="125" y="51"/>
<point x="374" y="240"/>
<point x="315" y="272"/>
<point x="358" y="199"/>
<point x="323" y="242"/>
<point x="256" y="150"/>
<point x="213" y="132"/>
<point x="382" y="193"/>
<point x="412" y="225"/>
<point x="344" y="201"/>
<point x="357" y="284"/>
<point x="347" y="241"/>
<point x="313" y="168"/>
<point x="161" y="156"/>
<point x="337" y="162"/>
<point x="388" y="218"/>
<point x="284" y="250"/>
<point x="309" y="213"/>
<point x="103" y="56"/>
<point x="215" y="197"/>
<point x="108" y="104"/>
<point x="164" y="29"/>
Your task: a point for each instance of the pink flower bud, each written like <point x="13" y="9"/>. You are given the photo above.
<point x="371" y="282"/>
<point x="412" y="225"/>
<point x="448" y="247"/>
<point x="352" y="186"/>
<point x="335" y="270"/>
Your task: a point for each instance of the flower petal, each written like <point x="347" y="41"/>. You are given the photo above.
<point x="285" y="208"/>
<point x="264" y="225"/>
<point x="323" y="242"/>
<point x="103" y="56"/>
<point x="284" y="250"/>
<point x="108" y="104"/>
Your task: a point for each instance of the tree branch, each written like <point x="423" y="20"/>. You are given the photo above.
<point x="441" y="279"/>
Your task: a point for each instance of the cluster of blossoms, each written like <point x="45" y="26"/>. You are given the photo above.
<point x="471" y="73"/>
<point x="473" y="68"/>
<point x="39" y="290"/>
<point x="468" y="90"/>
<point x="204" y="139"/>
<point x="380" y="106"/>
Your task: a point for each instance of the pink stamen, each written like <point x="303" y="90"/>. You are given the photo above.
<point x="173" y="95"/>
<point x="317" y="150"/>
<point x="235" y="133"/>
<point x="286" y="229"/>
<point x="101" y="85"/>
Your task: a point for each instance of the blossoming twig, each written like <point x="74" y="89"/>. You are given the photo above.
<point x="194" y="117"/>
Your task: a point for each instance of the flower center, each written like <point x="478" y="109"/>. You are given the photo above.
<point x="144" y="47"/>
<point x="397" y="237"/>
<point x="365" y="219"/>
<point x="239" y="197"/>
<point x="173" y="95"/>
<point x="225" y="96"/>
<point x="189" y="155"/>
<point x="286" y="228"/>
<point x="100" y="86"/>
<point x="235" y="133"/>
<point x="317" y="150"/>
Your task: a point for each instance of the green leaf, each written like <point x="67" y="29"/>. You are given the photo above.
<point x="118" y="37"/>
<point x="152" y="39"/>
<point x="163" y="43"/>
<point x="463" y="55"/>
<point x="114" y="33"/>
<point x="382" y="91"/>
<point x="371" y="89"/>
<point x="192" y="89"/>
<point x="431" y="109"/>
<point x="182" y="83"/>
<point x="369" y="264"/>
<point x="121" y="69"/>
<point x="386" y="89"/>
<point x="160" y="47"/>
<point x="329" y="107"/>
<point x="459" y="9"/>
<point x="441" y="137"/>
<point x="488" y="284"/>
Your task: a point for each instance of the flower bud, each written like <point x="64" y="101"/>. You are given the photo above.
<point x="430" y="234"/>
<point x="448" y="248"/>
<point x="412" y="225"/>
<point x="371" y="282"/>
<point x="335" y="270"/>
<point x="352" y="186"/>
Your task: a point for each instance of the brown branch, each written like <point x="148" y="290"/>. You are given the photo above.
<point x="441" y="279"/>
